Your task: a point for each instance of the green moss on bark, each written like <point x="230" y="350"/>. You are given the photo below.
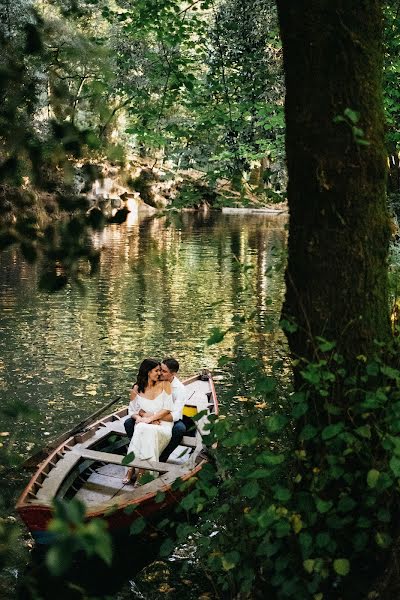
<point x="339" y="226"/>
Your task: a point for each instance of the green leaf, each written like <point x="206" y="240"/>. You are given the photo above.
<point x="288" y="326"/>
<point x="216" y="336"/>
<point x="390" y="372"/>
<point x="58" y="560"/>
<point x="383" y="540"/>
<point x="276" y="423"/>
<point x="323" y="505"/>
<point x="346" y="504"/>
<point x="128" y="510"/>
<point x="167" y="547"/>
<point x="339" y="119"/>
<point x="224" y="360"/>
<point x="75" y="511"/>
<point x="331" y="431"/>
<point x="372" y="369"/>
<point x="283" y="528"/>
<point x="281" y="493"/>
<point x="128" y="458"/>
<point x="360" y="541"/>
<point x="138" y="526"/>
<point x="299" y="410"/>
<point x="265" y="385"/>
<point x="323" y="539"/>
<point x="341" y="566"/>
<point x="270" y="459"/>
<point x="309" y="565"/>
<point x="372" y="478"/>
<point x="395" y="465"/>
<point x="364" y="431"/>
<point x="326" y="346"/>
<point x="362" y="142"/>
<point x="352" y="115"/>
<point x="230" y="560"/>
<point x="384" y="515"/>
<point x="306" y="541"/>
<point x="258" y="474"/>
<point x="250" y="489"/>
<point x="308" y="432"/>
<point x="188" y="502"/>
<point x="103" y="548"/>
<point x="146" y="478"/>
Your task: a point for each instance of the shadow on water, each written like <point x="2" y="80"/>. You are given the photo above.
<point x="90" y="577"/>
<point x="136" y="572"/>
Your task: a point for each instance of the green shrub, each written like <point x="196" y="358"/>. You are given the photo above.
<point x="301" y="501"/>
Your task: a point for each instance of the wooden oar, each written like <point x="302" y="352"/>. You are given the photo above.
<point x="34" y="460"/>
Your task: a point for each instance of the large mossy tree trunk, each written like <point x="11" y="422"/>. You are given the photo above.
<point x="339" y="231"/>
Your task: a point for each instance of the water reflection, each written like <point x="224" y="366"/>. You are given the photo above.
<point x="162" y="286"/>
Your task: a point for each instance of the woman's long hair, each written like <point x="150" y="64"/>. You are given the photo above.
<point x="143" y="374"/>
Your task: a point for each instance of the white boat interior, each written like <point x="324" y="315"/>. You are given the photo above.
<point x="89" y="465"/>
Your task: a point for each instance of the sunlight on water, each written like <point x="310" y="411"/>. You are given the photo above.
<point x="160" y="290"/>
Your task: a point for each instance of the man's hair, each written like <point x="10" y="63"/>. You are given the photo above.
<point x="172" y="364"/>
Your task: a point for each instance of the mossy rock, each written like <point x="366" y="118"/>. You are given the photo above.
<point x="144" y="185"/>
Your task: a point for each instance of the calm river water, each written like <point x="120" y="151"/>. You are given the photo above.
<point x="161" y="288"/>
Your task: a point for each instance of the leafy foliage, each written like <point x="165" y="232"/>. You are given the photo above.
<point x="72" y="535"/>
<point x="44" y="74"/>
<point x="301" y="501"/>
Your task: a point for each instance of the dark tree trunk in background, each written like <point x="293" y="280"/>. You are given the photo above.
<point x="339" y="227"/>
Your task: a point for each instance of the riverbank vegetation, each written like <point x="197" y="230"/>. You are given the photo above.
<point x="307" y="500"/>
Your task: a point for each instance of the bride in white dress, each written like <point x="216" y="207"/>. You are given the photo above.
<point x="151" y="410"/>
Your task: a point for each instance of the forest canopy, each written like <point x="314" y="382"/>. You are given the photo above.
<point x="183" y="85"/>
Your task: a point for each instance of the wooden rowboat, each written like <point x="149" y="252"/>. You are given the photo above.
<point x="88" y="466"/>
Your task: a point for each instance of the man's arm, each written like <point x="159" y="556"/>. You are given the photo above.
<point x="158" y="416"/>
<point x="179" y="398"/>
<point x="134" y="392"/>
<point x="134" y="405"/>
<point x="164" y="413"/>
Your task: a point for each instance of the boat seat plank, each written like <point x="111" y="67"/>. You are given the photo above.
<point x="201" y="427"/>
<point x="100" y="488"/>
<point x="199" y="403"/>
<point x="109" y="470"/>
<point x="56" y="476"/>
<point x="118" y="427"/>
<point x="188" y="441"/>
<point x="157" y="485"/>
<point x="100" y="433"/>
<point x="117" y="459"/>
<point x="180" y="455"/>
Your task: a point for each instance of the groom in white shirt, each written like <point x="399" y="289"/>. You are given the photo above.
<point x="169" y="370"/>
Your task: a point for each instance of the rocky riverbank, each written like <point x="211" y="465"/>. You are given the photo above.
<point x="155" y="188"/>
